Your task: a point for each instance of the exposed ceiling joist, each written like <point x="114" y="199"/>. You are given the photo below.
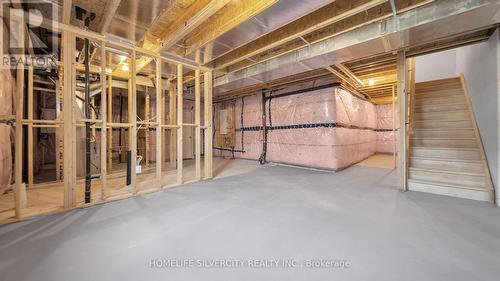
<point x="350" y="74"/>
<point x="109" y="12"/>
<point x="322" y="17"/>
<point x="363" y="37"/>
<point x="230" y="16"/>
<point x="165" y="32"/>
<point x="189" y="20"/>
<point x="374" y="14"/>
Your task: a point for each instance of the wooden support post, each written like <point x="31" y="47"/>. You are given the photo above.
<point x="132" y="119"/>
<point x="110" y="119"/>
<point x="197" y="121"/>
<point x="159" y="114"/>
<point x="163" y="120"/>
<point x="208" y="124"/>
<point x="69" y="151"/>
<point x="30" y="127"/>
<point x="179" y="123"/>
<point x="59" y="130"/>
<point x="394" y="148"/>
<point x="19" y="188"/>
<point x="403" y="118"/>
<point x="173" y="133"/>
<point x="104" y="124"/>
<point x="146" y="127"/>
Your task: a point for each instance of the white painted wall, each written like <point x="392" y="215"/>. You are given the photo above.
<point x="435" y="66"/>
<point x="479" y="64"/>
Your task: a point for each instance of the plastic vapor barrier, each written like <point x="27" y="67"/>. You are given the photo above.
<point x="326" y="127"/>
<point x="385" y="124"/>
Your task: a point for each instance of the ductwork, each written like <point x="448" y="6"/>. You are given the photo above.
<point x="438" y="20"/>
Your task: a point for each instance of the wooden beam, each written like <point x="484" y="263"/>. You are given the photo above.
<point x="94" y="36"/>
<point x="109" y="13"/>
<point x="177" y="21"/>
<point x="30" y="127"/>
<point x="394" y="148"/>
<point x="197" y="121"/>
<point x="188" y="20"/>
<point x="104" y="120"/>
<point x="403" y="118"/>
<point x="159" y="120"/>
<point x="66" y="14"/>
<point x="19" y="187"/>
<point x="180" y="154"/>
<point x="173" y="121"/>
<point x="350" y="74"/>
<point x="322" y="17"/>
<point x="208" y="124"/>
<point x="132" y="119"/>
<point x="59" y="129"/>
<point x="69" y="150"/>
<point x="230" y="16"/>
<point x="147" y="104"/>
<point x="110" y="119"/>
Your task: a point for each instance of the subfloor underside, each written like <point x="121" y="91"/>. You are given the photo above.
<point x="264" y="213"/>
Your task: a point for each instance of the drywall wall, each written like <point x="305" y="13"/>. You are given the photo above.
<point x="479" y="64"/>
<point x="435" y="66"/>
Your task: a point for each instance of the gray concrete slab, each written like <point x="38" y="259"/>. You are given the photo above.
<point x="264" y="214"/>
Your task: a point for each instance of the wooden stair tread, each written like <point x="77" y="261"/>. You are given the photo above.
<point x="447" y="159"/>
<point x="462" y="186"/>
<point x="439" y="120"/>
<point x="444" y="129"/>
<point x="447" y="172"/>
<point x="446" y="111"/>
<point x="445" y="148"/>
<point x="429" y="138"/>
<point x="451" y="103"/>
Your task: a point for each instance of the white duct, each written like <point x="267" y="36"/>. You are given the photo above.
<point x="428" y="23"/>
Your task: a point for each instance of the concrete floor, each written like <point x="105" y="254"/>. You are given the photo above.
<point x="263" y="213"/>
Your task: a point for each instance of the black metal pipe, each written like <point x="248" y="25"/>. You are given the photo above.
<point x="88" y="175"/>
<point x="305" y="90"/>
<point x="129" y="167"/>
<point x="262" y="158"/>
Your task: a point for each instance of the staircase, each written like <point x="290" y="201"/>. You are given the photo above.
<point x="446" y="155"/>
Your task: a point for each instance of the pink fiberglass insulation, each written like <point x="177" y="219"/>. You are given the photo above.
<point x="385" y="136"/>
<point x="326" y="128"/>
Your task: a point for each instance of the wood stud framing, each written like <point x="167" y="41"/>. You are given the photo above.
<point x="66" y="123"/>
<point x="180" y="128"/>
<point x="402" y="72"/>
<point x="159" y="120"/>
<point x="104" y="124"/>
<point x="197" y="109"/>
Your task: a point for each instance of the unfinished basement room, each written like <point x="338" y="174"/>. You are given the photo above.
<point x="249" y="140"/>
